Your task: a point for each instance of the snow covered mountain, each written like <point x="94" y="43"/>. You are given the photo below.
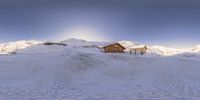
<point x="195" y="49"/>
<point x="13" y="46"/>
<point x="75" y="42"/>
<point x="127" y="44"/>
<point x="165" y="51"/>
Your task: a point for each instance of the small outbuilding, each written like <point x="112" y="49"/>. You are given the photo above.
<point x="114" y="48"/>
<point x="138" y="49"/>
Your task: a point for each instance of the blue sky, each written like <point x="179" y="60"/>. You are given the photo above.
<point x="173" y="23"/>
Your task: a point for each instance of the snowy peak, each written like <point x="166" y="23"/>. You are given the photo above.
<point x="127" y="44"/>
<point x="76" y="42"/>
<point x="9" y="47"/>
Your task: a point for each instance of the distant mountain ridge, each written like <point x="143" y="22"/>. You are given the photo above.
<point x="9" y="47"/>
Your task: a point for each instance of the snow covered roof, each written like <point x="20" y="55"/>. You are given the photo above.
<point x="114" y="44"/>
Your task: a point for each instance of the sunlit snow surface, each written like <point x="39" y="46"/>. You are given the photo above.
<point x="73" y="72"/>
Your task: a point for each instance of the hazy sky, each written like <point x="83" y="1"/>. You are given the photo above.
<point x="173" y="23"/>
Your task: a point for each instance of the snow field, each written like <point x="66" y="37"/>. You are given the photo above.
<point x="66" y="73"/>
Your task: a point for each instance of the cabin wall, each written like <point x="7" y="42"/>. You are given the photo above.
<point x="113" y="49"/>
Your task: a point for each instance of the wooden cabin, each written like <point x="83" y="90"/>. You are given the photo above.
<point x="114" y="48"/>
<point x="138" y="49"/>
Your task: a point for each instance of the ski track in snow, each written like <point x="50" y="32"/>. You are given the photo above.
<point x="63" y="73"/>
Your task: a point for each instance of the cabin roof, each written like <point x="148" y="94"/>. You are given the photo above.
<point x="114" y="44"/>
<point x="135" y="46"/>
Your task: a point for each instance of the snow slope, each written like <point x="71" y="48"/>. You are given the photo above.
<point x="55" y="72"/>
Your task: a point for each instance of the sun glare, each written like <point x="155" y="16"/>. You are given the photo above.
<point x="84" y="33"/>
